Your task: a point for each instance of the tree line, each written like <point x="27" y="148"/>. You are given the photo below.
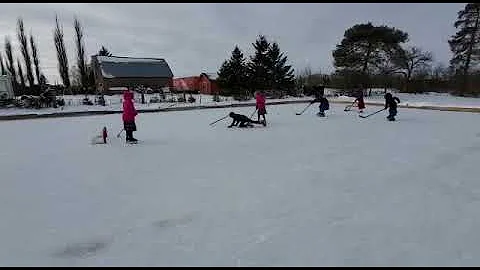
<point x="266" y="70"/>
<point x="368" y="56"/>
<point x="371" y="56"/>
<point x="26" y="73"/>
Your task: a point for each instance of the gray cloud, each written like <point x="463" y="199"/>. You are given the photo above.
<point x="199" y="37"/>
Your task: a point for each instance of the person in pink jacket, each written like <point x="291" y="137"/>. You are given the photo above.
<point x="260" y="106"/>
<point x="128" y="116"/>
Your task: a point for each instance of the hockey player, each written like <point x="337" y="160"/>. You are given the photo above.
<point x="359" y="100"/>
<point x="324" y="105"/>
<point x="260" y="106"/>
<point x="128" y="116"/>
<point x="243" y="120"/>
<point x="391" y="104"/>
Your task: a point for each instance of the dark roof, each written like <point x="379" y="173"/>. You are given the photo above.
<point x="210" y="76"/>
<point x="126" y="67"/>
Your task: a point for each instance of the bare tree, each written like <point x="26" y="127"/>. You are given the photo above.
<point x="82" y="68"/>
<point x="61" y="53"/>
<point x="20" y="75"/>
<point x="411" y="60"/>
<point x="24" y="49"/>
<point x="2" y="70"/>
<point x="36" y="60"/>
<point x="9" y="61"/>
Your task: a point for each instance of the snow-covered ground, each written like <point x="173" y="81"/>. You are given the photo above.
<point x="114" y="103"/>
<point x="427" y="99"/>
<point x="305" y="190"/>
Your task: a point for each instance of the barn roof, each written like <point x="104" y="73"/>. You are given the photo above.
<point x="115" y="66"/>
<point x="211" y="76"/>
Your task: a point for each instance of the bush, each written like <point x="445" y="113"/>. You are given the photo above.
<point x="241" y="98"/>
<point x="181" y="99"/>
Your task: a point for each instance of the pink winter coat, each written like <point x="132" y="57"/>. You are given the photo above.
<point x="260" y="98"/>
<point x="129" y="111"/>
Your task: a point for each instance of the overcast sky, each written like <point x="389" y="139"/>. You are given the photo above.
<point x="196" y="38"/>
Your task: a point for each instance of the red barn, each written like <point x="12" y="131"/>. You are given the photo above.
<point x="206" y="83"/>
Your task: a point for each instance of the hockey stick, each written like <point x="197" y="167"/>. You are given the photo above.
<point x="169" y="106"/>
<point x="253" y="113"/>
<point x="365" y="116"/>
<point x="300" y="113"/>
<point x="118" y="135"/>
<point x="348" y="107"/>
<point x="219" y="120"/>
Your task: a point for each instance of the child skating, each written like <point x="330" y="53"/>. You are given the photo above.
<point x="260" y="106"/>
<point x="324" y="105"/>
<point x="391" y="104"/>
<point x="128" y="116"/>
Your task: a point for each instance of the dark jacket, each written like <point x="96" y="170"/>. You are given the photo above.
<point x="240" y="117"/>
<point x="391" y="101"/>
<point x="324" y="105"/>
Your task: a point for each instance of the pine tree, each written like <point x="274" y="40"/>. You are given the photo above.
<point x="282" y="75"/>
<point x="22" y="38"/>
<point x="36" y="60"/>
<point x="104" y="52"/>
<point x="232" y="74"/>
<point x="465" y="43"/>
<point x="61" y="54"/>
<point x="258" y="68"/>
<point x="365" y="47"/>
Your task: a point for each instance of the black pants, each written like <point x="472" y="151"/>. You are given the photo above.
<point x="129" y="127"/>
<point x="129" y="135"/>
<point x="247" y="123"/>
<point x="392" y="112"/>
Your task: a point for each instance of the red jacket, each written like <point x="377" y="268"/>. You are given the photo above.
<point x="129" y="111"/>
<point x="361" y="103"/>
<point x="260" y="99"/>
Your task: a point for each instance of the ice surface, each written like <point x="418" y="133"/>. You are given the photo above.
<point x="305" y="190"/>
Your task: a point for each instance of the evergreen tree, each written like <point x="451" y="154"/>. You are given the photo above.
<point x="259" y="67"/>
<point x="104" y="52"/>
<point x="282" y="75"/>
<point x="365" y="47"/>
<point x="465" y="43"/>
<point x="232" y="74"/>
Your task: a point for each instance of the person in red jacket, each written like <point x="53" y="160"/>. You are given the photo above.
<point x="359" y="100"/>
<point x="128" y="116"/>
<point x="260" y="106"/>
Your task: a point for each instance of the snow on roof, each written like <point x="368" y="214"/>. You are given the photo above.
<point x="118" y="59"/>
<point x="211" y="76"/>
<point x="127" y="67"/>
